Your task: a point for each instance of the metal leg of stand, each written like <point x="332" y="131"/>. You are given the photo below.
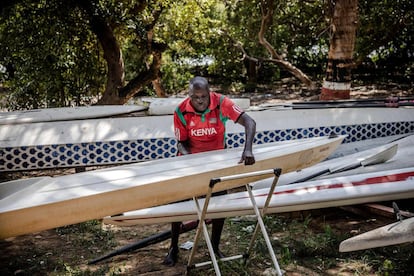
<point x="203" y="228"/>
<point x="260" y="223"/>
<point x="264" y="210"/>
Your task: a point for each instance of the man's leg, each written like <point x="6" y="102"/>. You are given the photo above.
<point x="172" y="255"/>
<point x="217" y="228"/>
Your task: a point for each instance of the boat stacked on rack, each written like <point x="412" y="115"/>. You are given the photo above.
<point x="112" y="141"/>
<point x="378" y="174"/>
<point x="69" y="199"/>
<point x="316" y="194"/>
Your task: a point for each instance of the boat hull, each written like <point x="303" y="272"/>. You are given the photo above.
<point x="396" y="233"/>
<point x="96" y="142"/>
<point x="95" y="194"/>
<point x="334" y="192"/>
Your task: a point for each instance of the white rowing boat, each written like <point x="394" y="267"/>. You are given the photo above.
<point x="333" y="192"/>
<point x="14" y="186"/>
<point x="393" y="155"/>
<point x="395" y="233"/>
<point x="66" y="113"/>
<point x="167" y="106"/>
<point x="95" y="142"/>
<point x="95" y="194"/>
<point x="272" y="126"/>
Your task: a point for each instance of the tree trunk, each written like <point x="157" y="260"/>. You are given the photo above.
<point x="116" y="92"/>
<point x="115" y="63"/>
<point x="251" y="73"/>
<point x="112" y="54"/>
<point x="159" y="89"/>
<point x="143" y="78"/>
<point x="337" y="83"/>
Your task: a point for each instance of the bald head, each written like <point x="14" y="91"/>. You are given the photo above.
<point x="199" y="93"/>
<point x="199" y="83"/>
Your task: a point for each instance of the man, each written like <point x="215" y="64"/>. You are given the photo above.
<point x="199" y="124"/>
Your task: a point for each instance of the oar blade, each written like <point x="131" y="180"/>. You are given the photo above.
<point x="376" y="158"/>
<point x="381" y="157"/>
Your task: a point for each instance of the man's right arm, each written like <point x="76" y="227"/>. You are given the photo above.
<point x="183" y="148"/>
<point x="180" y="134"/>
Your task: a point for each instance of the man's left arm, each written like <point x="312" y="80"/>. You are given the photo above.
<point x="250" y="130"/>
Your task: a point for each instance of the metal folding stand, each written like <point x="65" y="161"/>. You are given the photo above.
<point x="260" y="224"/>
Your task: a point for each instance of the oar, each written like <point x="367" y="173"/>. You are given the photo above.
<point x="350" y="105"/>
<point x="379" y="102"/>
<point x="383" y="100"/>
<point x="376" y="158"/>
<point x="156" y="238"/>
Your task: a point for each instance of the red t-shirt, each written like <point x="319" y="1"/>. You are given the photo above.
<point x="205" y="131"/>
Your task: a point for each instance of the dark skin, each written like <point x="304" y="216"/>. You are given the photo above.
<point x="199" y="94"/>
<point x="200" y="100"/>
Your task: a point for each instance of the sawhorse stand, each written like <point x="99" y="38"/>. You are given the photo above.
<point x="260" y="224"/>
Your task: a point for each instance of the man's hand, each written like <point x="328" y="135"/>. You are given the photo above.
<point x="183" y="148"/>
<point x="247" y="157"/>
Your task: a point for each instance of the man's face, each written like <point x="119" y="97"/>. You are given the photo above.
<point x="200" y="99"/>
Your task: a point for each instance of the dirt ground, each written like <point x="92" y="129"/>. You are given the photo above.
<point x="67" y="250"/>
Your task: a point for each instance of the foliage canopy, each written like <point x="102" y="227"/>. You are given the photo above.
<point x="52" y="54"/>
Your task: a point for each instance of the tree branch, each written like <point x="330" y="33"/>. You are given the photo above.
<point x="267" y="16"/>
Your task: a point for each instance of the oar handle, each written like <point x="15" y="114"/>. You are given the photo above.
<point x="309" y="177"/>
<point x="156" y="238"/>
<point x="346" y="168"/>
